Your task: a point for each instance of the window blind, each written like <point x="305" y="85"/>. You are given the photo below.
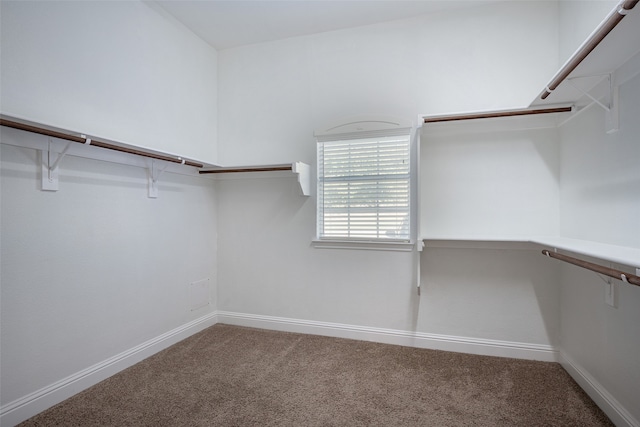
<point x="364" y="189"/>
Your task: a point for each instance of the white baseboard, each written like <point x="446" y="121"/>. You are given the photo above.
<point x="609" y="405"/>
<point x="36" y="402"/>
<point x="483" y="347"/>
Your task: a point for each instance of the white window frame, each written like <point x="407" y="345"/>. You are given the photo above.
<point x="372" y="127"/>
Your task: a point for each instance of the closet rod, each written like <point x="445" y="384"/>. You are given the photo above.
<point x="605" y="28"/>
<point x="496" y="114"/>
<point x="616" y="274"/>
<point x="248" y="169"/>
<point x="93" y="142"/>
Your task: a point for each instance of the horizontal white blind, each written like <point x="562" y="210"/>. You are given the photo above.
<point x="364" y="189"/>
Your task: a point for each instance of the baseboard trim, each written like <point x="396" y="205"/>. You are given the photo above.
<point x="609" y="404"/>
<point x="36" y="402"/>
<point x="459" y="344"/>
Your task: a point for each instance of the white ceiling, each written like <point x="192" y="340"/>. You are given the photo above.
<point x="230" y="23"/>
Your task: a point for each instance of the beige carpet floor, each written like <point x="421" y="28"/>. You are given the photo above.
<point x="234" y="376"/>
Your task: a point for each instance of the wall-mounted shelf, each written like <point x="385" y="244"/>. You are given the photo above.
<point x="595" y="71"/>
<point x="495" y="114"/>
<point x="610" y="46"/>
<point x="54" y="144"/>
<point x="93" y="141"/>
<point x="496" y="120"/>
<point x="62" y="142"/>
<point x="612" y="253"/>
<point x="610" y="57"/>
<point x="607" y="59"/>
<point x="301" y="170"/>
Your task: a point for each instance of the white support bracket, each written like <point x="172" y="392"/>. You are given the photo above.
<point x="612" y="117"/>
<point x="49" y="161"/>
<point x="49" y="176"/>
<point x="418" y="260"/>
<point x="303" y="172"/>
<point x="610" y="105"/>
<point x="153" y="174"/>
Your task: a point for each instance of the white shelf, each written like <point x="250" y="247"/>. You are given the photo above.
<point x="494" y="121"/>
<point x="618" y="254"/>
<point x="91" y="142"/>
<point x="613" y="253"/>
<point x="616" y="49"/>
<point x="300" y="170"/>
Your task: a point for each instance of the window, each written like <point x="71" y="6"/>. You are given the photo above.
<point x="364" y="188"/>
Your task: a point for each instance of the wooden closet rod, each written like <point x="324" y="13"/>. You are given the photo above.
<point x="616" y="274"/>
<point x="96" y="143"/>
<point x="589" y="45"/>
<point x="496" y="114"/>
<point x="248" y="169"/>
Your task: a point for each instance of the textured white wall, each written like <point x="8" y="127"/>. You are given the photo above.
<point x="120" y="70"/>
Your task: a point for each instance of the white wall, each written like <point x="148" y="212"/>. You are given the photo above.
<point x="120" y="70"/>
<point x="274" y="95"/>
<point x="96" y="268"/>
<point x="600" y="340"/>
<point x="495" y="184"/>
<point x="600" y="178"/>
<point x="268" y="267"/>
<point x="600" y="200"/>
<point x="505" y="294"/>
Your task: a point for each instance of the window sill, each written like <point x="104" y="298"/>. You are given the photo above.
<point x="363" y="245"/>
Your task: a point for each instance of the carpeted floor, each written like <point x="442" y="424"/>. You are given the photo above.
<point x="234" y="376"/>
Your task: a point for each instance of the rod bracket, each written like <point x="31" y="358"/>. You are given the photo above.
<point x="49" y="162"/>
<point x="49" y="176"/>
<point x="303" y="175"/>
<point x="153" y="174"/>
